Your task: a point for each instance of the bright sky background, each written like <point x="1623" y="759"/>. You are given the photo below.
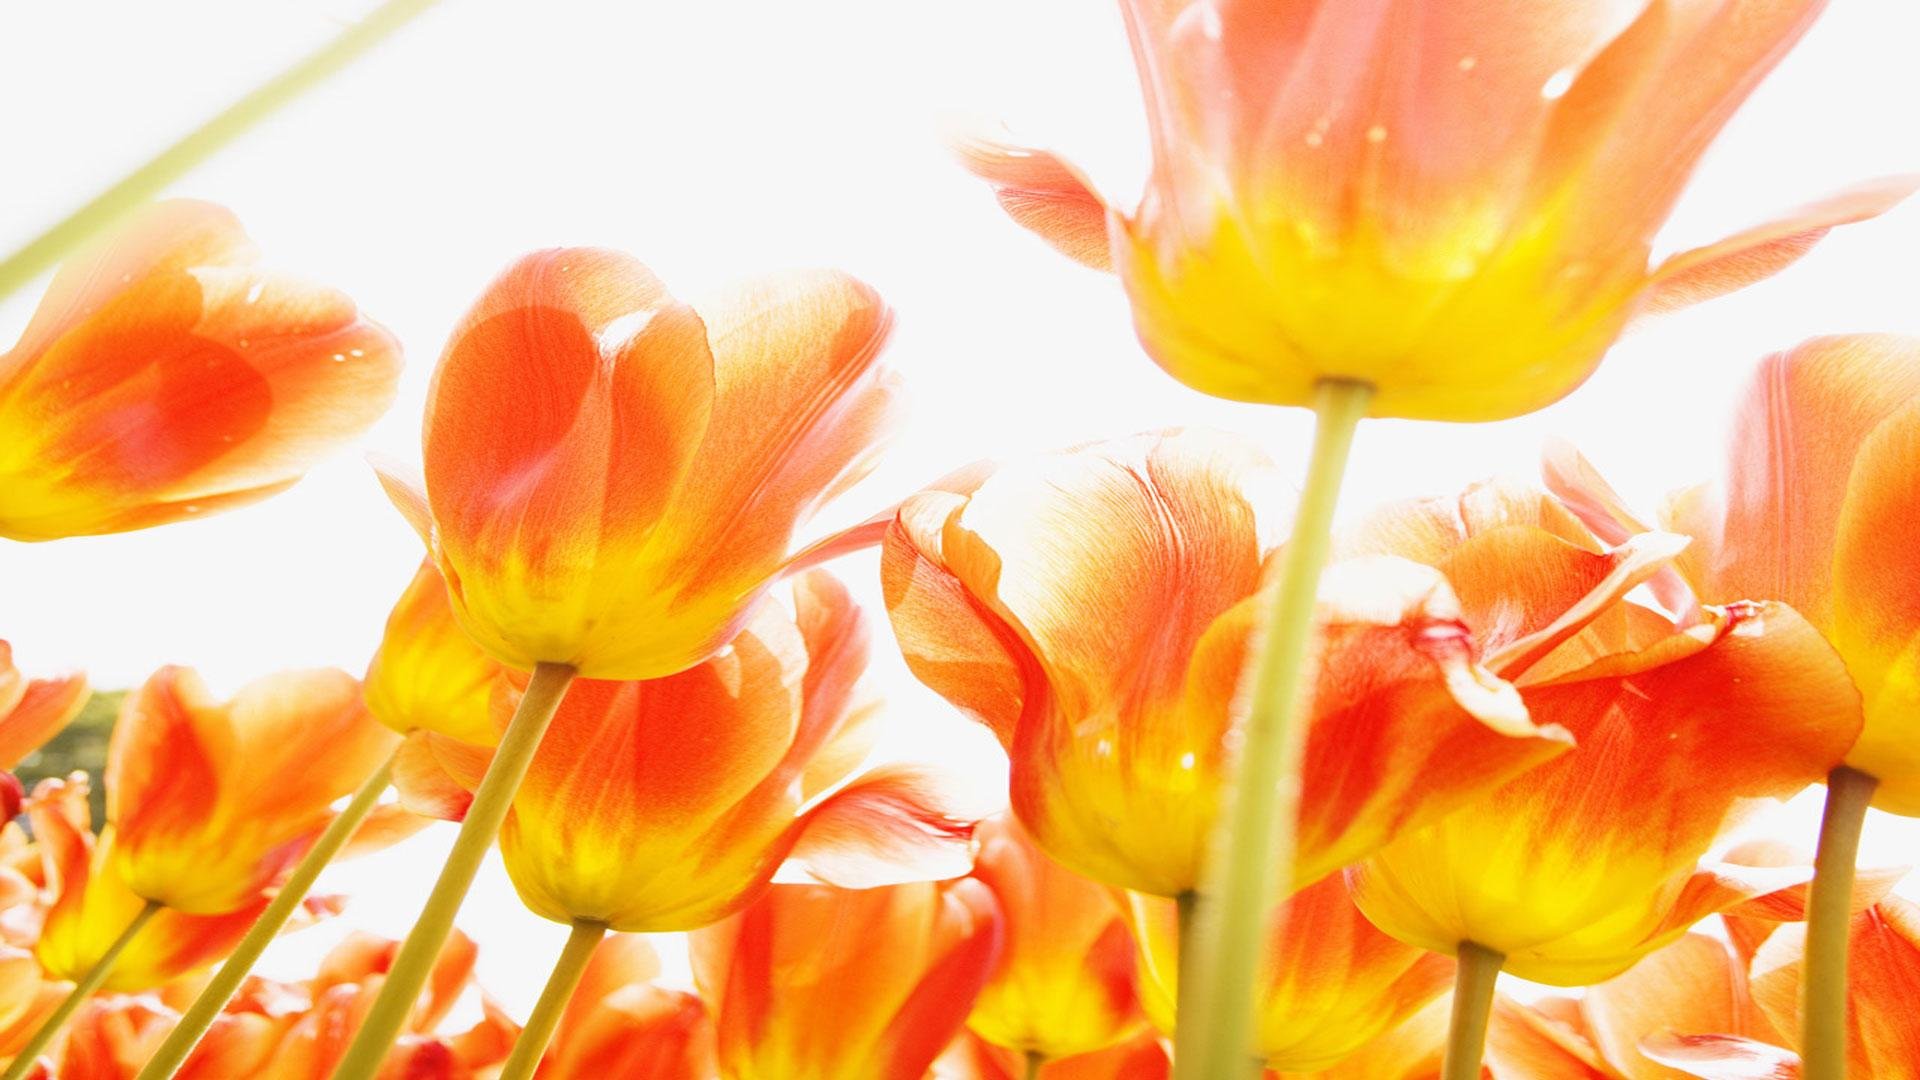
<point x="723" y="138"/>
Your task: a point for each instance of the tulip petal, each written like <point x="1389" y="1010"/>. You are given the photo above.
<point x="1695" y="984"/>
<point x="894" y="824"/>
<point x="1883" y="977"/>
<point x="1764" y="250"/>
<point x="33" y="711"/>
<point x="1722" y="1057"/>
<point x="1045" y="195"/>
<point x="1524" y="1044"/>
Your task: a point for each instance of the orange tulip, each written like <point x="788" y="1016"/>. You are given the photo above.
<point x="973" y="1058"/>
<point x="1091" y="607"/>
<point x="32" y="711"/>
<point x="612" y="478"/>
<point x="620" y="1025"/>
<point x="88" y="906"/>
<point x="668" y="804"/>
<point x="1576" y="870"/>
<point x="112" y="1037"/>
<point x="1330" y="983"/>
<point x="210" y="801"/>
<point x="428" y="675"/>
<point x="1064" y="983"/>
<point x="818" y="983"/>
<point x="1454" y="204"/>
<point x="165" y="375"/>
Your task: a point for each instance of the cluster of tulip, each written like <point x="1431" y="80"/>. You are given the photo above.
<point x="1281" y="797"/>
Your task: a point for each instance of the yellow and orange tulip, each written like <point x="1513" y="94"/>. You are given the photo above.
<point x="1065" y="981"/>
<point x="621" y="1025"/>
<point x="113" y="1036"/>
<point x="1330" y="983"/>
<point x="210" y="801"/>
<point x="33" y="711"/>
<point x="667" y="804"/>
<point x="1092" y="608"/>
<point x="1453" y="203"/>
<point x="165" y="375"/>
<point x="613" y="477"/>
<point x="428" y="675"/>
<point x="818" y="983"/>
<point x="1590" y="861"/>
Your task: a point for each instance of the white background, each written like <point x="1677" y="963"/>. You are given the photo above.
<point x="723" y="138"/>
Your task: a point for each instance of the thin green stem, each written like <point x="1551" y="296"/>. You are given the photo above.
<point x="1473" y="983"/>
<point x="491" y="800"/>
<point x="1035" y="1060"/>
<point x="23" y="1061"/>
<point x="220" y="989"/>
<point x="532" y="1044"/>
<point x="108" y="207"/>
<point x="1213" y="1038"/>
<point x="1823" y="979"/>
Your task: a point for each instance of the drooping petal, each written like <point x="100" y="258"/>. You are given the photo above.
<point x="33" y="711"/>
<point x="1045" y="195"/>
<point x="1723" y="1057"/>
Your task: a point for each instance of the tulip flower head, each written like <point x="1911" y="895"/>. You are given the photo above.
<point x="1330" y="982"/>
<point x="620" y="1024"/>
<point x="1092" y="608"/>
<point x="1590" y="861"/>
<point x="209" y="801"/>
<point x="818" y="983"/>
<point x="1064" y="983"/>
<point x="1452" y="202"/>
<point x="667" y="804"/>
<point x="613" y="477"/>
<point x="166" y="376"/>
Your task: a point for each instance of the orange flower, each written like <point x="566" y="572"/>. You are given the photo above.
<point x="33" y="711"/>
<point x="210" y="801"/>
<point x="1092" y="608"/>
<point x="1330" y="984"/>
<point x="1818" y="509"/>
<point x="1453" y="203"/>
<point x="1590" y="861"/>
<point x="1064" y="984"/>
<point x="818" y="983"/>
<point x="613" y="478"/>
<point x="973" y="1058"/>
<point x="668" y="804"/>
<point x="112" y="1037"/>
<point x="620" y="1025"/>
<point x="88" y="906"/>
<point x="166" y="375"/>
<point x="344" y="989"/>
<point x="428" y="675"/>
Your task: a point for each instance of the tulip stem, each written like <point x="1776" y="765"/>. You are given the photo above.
<point x="1035" y="1059"/>
<point x="1823" y="985"/>
<point x="105" y="209"/>
<point x="1473" y="982"/>
<point x="414" y="962"/>
<point x="532" y="1043"/>
<point x="24" y="1059"/>
<point x="220" y="989"/>
<point x="1213" y="1038"/>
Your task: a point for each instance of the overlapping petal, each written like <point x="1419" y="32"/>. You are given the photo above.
<point x="620" y="1024"/>
<point x="428" y="675"/>
<point x="166" y="375"/>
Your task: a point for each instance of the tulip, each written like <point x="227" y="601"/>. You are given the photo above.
<point x="1064" y="984"/>
<point x="1330" y="983"/>
<point x="165" y="376"/>
<point x="817" y="983"/>
<point x="613" y="480"/>
<point x="428" y="675"/>
<point x="33" y="711"/>
<point x="973" y="1058"/>
<point x="620" y="1024"/>
<point x="1573" y="872"/>
<point x="1454" y="205"/>
<point x="112" y="1036"/>
<point x="1815" y="509"/>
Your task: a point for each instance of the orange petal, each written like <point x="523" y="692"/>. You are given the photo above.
<point x="894" y="824"/>
<point x="1722" y="1057"/>
<point x="1883" y="977"/>
<point x="33" y="711"/>
<point x="166" y="376"/>
<point x="638" y="1032"/>
<point x="1045" y="195"/>
<point x="1525" y="1044"/>
<point x="1695" y="984"/>
<point x="1764" y="250"/>
<point x="428" y="674"/>
<point x="435" y="776"/>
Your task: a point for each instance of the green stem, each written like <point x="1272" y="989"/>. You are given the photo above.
<point x="412" y="964"/>
<point x="1035" y="1059"/>
<point x="1473" y="983"/>
<point x="23" y="1061"/>
<point x="1213" y="1038"/>
<point x="196" y="146"/>
<point x="532" y="1043"/>
<point x="220" y="989"/>
<point x="1823" y="973"/>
